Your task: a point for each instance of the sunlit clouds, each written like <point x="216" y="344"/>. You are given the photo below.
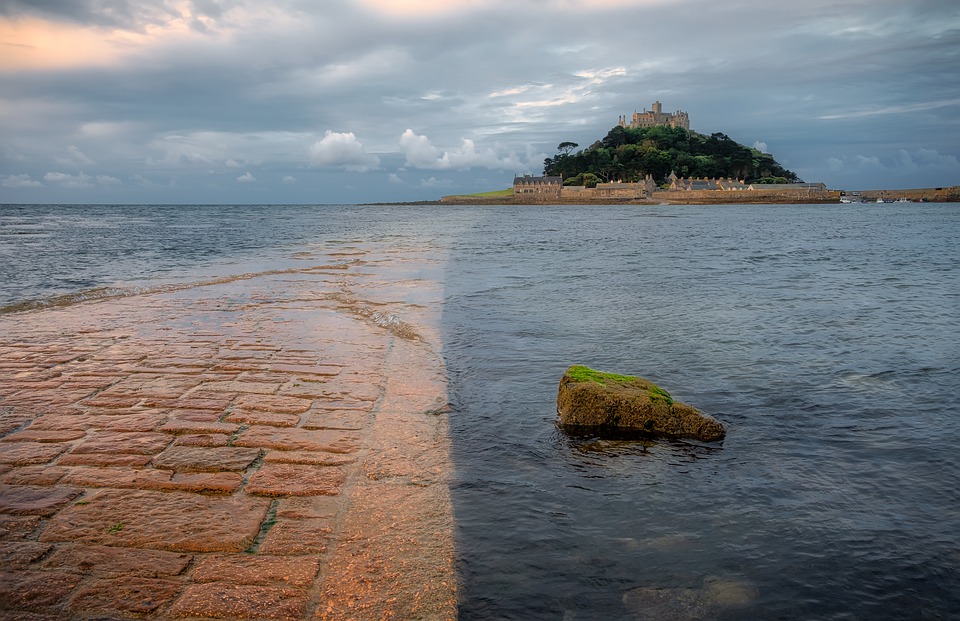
<point x="342" y="150"/>
<point x="377" y="100"/>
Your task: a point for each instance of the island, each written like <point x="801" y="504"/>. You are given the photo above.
<point x="654" y="158"/>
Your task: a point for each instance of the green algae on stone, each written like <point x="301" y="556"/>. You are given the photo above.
<point x="581" y="373"/>
<point x="612" y="403"/>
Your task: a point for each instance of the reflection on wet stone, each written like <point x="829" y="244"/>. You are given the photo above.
<point x="202" y="451"/>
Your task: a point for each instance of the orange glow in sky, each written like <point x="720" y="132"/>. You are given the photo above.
<point x="38" y="44"/>
<point x="421" y="8"/>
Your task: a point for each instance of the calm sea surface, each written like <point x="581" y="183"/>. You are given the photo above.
<point x="826" y="338"/>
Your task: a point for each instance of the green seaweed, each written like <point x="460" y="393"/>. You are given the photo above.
<point x="116" y="528"/>
<point x="657" y="394"/>
<point x="582" y="373"/>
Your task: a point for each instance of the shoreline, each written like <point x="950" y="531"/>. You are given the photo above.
<point x="949" y="194"/>
<point x="272" y="447"/>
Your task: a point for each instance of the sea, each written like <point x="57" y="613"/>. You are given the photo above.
<point x="826" y="338"/>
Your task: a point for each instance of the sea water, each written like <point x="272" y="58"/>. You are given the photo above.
<point x="825" y="337"/>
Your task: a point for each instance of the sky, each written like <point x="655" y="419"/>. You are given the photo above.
<point x="352" y="101"/>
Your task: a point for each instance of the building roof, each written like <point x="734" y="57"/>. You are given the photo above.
<point x="528" y="180"/>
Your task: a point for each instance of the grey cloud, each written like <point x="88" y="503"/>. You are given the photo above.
<point x="513" y="80"/>
<point x="128" y="14"/>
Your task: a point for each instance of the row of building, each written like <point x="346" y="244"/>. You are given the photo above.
<point x="553" y="187"/>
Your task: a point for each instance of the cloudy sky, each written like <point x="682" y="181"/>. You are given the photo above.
<point x="328" y="101"/>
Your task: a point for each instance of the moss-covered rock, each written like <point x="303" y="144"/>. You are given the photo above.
<point x="590" y="399"/>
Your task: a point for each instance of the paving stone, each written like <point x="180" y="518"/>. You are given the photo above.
<point x="326" y="370"/>
<point x="316" y="458"/>
<point x="116" y="477"/>
<point x="274" y="403"/>
<point x="176" y="521"/>
<point x="299" y="439"/>
<point x="189" y="426"/>
<point x="251" y="355"/>
<point x="61" y="422"/>
<point x="253" y="417"/>
<point x="157" y="386"/>
<point x="236" y="386"/>
<point x="125" y="595"/>
<point x="199" y="416"/>
<point x="338" y="419"/>
<point x="308" y="390"/>
<point x="34" y="499"/>
<point x="202" y="439"/>
<point x="34" y="475"/>
<point x="204" y="482"/>
<point x="308" y="507"/>
<point x="130" y="443"/>
<point x="19" y="554"/>
<point x="206" y="459"/>
<point x="228" y="601"/>
<point x="297" y="537"/>
<point x="12" y="418"/>
<point x="35" y="591"/>
<point x="341" y="404"/>
<point x="113" y="401"/>
<point x="27" y="453"/>
<point x="129" y="421"/>
<point x="23" y="615"/>
<point x="37" y="435"/>
<point x="107" y="561"/>
<point x="16" y="527"/>
<point x="296" y="480"/>
<point x="297" y="571"/>
<point x="265" y="377"/>
<point x="100" y="459"/>
<point x="190" y="403"/>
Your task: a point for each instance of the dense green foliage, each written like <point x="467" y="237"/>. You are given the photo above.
<point x="628" y="154"/>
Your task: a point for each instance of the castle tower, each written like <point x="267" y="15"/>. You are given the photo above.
<point x="657" y="108"/>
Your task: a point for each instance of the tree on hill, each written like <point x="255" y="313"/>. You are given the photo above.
<point x="630" y="154"/>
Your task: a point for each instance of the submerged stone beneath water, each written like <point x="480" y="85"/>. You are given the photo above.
<point x="689" y="604"/>
<point x="618" y="403"/>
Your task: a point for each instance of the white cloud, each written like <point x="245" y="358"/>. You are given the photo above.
<point x="342" y="150"/>
<point x="433" y="182"/>
<point x="80" y="180"/>
<point x="289" y="179"/>
<point x="74" y="157"/>
<point x="246" y="178"/>
<point x="420" y="153"/>
<point x="887" y="110"/>
<point x="69" y="181"/>
<point x="761" y="147"/>
<point x="395" y="179"/>
<point x="19" y="181"/>
<point x="226" y="149"/>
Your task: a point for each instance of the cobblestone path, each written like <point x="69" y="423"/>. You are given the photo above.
<point x="271" y="446"/>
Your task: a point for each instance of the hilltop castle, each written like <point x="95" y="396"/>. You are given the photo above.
<point x="657" y="117"/>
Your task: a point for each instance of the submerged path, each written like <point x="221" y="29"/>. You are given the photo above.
<point x="271" y="446"/>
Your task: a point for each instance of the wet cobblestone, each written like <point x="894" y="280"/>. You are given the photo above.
<point x="254" y="449"/>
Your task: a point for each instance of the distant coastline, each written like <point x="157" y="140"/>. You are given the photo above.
<point x="946" y="194"/>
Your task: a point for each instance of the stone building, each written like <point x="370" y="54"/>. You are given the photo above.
<point x="528" y="184"/>
<point x="655" y="117"/>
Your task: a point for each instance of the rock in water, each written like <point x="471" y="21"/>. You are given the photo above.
<point x="609" y="402"/>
